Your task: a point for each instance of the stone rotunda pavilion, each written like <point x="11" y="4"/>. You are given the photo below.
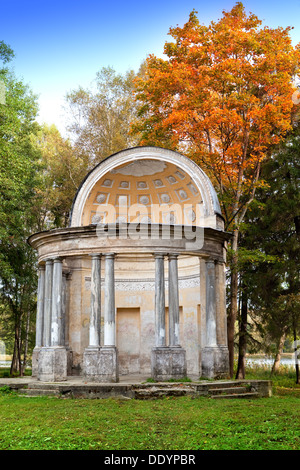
<point x="136" y="283"/>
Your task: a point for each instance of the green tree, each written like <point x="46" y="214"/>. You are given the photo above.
<point x="101" y="118"/>
<point x="61" y="171"/>
<point x="271" y="239"/>
<point x="223" y="94"/>
<point x="18" y="170"/>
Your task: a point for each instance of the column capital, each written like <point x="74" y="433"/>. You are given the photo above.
<point x="48" y="261"/>
<point x="173" y="255"/>
<point x="203" y="257"/>
<point x="109" y="255"/>
<point x="159" y="255"/>
<point x="41" y="267"/>
<point x="57" y="259"/>
<point x="210" y="260"/>
<point x="95" y="255"/>
<point x="221" y="262"/>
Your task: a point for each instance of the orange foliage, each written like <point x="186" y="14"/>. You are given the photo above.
<point x="224" y="96"/>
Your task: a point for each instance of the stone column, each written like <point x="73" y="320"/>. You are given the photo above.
<point x="92" y="357"/>
<point x="48" y="303"/>
<point x="39" y="320"/>
<point x="64" y="339"/>
<point x="64" y="308"/>
<point x="40" y="307"/>
<point x="109" y="301"/>
<point x="56" y="321"/>
<point x="95" y="316"/>
<point x="108" y="367"/>
<point x="160" y="318"/>
<point x="211" y="327"/>
<point x="214" y="355"/>
<point x="167" y="362"/>
<point x="53" y="358"/>
<point x="221" y="304"/>
<point x="173" y="301"/>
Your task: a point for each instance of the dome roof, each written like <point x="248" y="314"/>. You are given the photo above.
<point x="146" y="184"/>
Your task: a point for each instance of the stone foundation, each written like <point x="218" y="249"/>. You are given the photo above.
<point x="168" y="363"/>
<point x="101" y="364"/>
<point x="53" y="364"/>
<point x="215" y="362"/>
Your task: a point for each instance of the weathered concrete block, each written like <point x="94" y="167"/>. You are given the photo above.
<point x="262" y="387"/>
<point x="215" y="362"/>
<point x="53" y="364"/>
<point x="101" y="364"/>
<point x="168" y="363"/>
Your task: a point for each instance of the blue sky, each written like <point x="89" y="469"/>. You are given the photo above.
<point x="60" y="45"/>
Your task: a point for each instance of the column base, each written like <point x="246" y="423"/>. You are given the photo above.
<point x="168" y="363"/>
<point x="53" y="364"/>
<point x="215" y="362"/>
<point x="101" y="364"/>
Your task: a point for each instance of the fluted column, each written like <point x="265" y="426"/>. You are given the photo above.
<point x="48" y="303"/>
<point x="109" y="301"/>
<point x="211" y="326"/>
<point x="221" y="304"/>
<point x="54" y="358"/>
<point x="173" y="301"/>
<point x="160" y="321"/>
<point x="40" y="307"/>
<point x="167" y="362"/>
<point x="95" y="313"/>
<point x="56" y="321"/>
<point x="64" y="308"/>
<point x="214" y="355"/>
<point x="39" y="342"/>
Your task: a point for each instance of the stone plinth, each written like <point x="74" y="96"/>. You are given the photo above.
<point x="101" y="364"/>
<point x="54" y="364"/>
<point x="168" y="363"/>
<point x="215" y="362"/>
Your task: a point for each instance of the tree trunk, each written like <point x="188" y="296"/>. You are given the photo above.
<point x="16" y="364"/>
<point x="19" y="346"/>
<point x="232" y="314"/>
<point x="26" y="344"/>
<point x="240" y="373"/>
<point x="296" y="355"/>
<point x="276" y="364"/>
<point x="13" y="366"/>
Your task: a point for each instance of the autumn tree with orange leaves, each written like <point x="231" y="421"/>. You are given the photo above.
<point x="223" y="96"/>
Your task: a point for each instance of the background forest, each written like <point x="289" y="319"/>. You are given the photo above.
<point x="226" y="96"/>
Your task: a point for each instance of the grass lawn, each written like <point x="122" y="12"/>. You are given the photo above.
<point x="166" y="424"/>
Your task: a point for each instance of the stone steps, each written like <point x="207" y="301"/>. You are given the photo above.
<point x="236" y="390"/>
<point x="228" y="390"/>
<point x="216" y="390"/>
<point x="153" y="392"/>
<point x="237" y="395"/>
<point x="38" y="392"/>
<point x="149" y="390"/>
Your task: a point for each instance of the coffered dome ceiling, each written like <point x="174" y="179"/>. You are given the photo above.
<point x="143" y="191"/>
<point x="137" y="186"/>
